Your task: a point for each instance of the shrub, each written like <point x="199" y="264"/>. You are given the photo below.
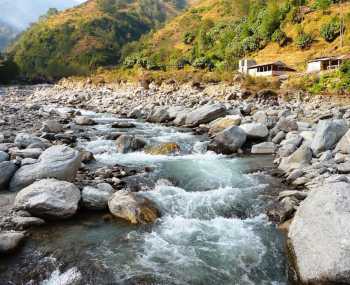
<point x="188" y="38"/>
<point x="279" y="37"/>
<point x="331" y="30"/>
<point x="304" y="40"/>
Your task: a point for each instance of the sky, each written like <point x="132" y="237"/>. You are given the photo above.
<point x="20" y="13"/>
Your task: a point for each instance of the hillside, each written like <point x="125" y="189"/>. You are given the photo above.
<point x="80" y="39"/>
<point x="217" y="33"/>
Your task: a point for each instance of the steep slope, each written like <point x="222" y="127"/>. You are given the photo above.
<point x="217" y="33"/>
<point x="80" y="39"/>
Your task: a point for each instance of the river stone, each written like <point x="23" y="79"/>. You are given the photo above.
<point x="319" y="236"/>
<point x="343" y="145"/>
<point x="27" y="153"/>
<point x="84" y="121"/>
<point x="328" y="133"/>
<point x="180" y="118"/>
<point x="4" y="156"/>
<point x="51" y="126"/>
<point x="9" y="241"/>
<point x="229" y="140"/>
<point x="123" y="125"/>
<point x="264" y="148"/>
<point x="96" y="198"/>
<point x="301" y="157"/>
<point x="205" y="114"/>
<point x="129" y="143"/>
<point x="23" y="140"/>
<point x="287" y="125"/>
<point x="255" y="130"/>
<point x="159" y="115"/>
<point x="223" y="123"/>
<point x="49" y="199"/>
<point x="133" y="208"/>
<point x="7" y="170"/>
<point x="60" y="162"/>
<point x="164" y="149"/>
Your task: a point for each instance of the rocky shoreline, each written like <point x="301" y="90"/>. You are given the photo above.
<point x="309" y="137"/>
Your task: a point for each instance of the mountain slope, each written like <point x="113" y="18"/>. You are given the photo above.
<point x="217" y="33"/>
<point x="80" y="39"/>
<point x="7" y="34"/>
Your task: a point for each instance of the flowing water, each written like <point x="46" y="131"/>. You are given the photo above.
<point x="212" y="231"/>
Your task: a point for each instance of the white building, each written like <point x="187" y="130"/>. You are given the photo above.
<point x="244" y="64"/>
<point x="325" y="63"/>
<point x="276" y="68"/>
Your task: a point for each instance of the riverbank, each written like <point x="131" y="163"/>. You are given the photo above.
<point x="307" y="136"/>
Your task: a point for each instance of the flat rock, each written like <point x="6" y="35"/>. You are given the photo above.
<point x="264" y="148"/>
<point x="9" y="241"/>
<point x="205" y="114"/>
<point x="255" y="130"/>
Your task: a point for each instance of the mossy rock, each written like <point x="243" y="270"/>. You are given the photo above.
<point x="164" y="149"/>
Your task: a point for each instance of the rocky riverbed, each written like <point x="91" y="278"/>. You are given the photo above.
<point x="133" y="152"/>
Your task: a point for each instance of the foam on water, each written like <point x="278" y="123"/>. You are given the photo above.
<point x="70" y="277"/>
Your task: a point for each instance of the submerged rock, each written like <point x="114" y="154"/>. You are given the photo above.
<point x="133" y="208"/>
<point x="49" y="199"/>
<point x="60" y="162"/>
<point x="129" y="143"/>
<point x="9" y="241"/>
<point x="319" y="236"/>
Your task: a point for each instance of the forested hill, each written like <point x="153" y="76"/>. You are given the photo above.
<point x="215" y="34"/>
<point x="80" y="39"/>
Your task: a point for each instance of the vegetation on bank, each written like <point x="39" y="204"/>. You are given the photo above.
<point x="8" y="70"/>
<point x="79" y="40"/>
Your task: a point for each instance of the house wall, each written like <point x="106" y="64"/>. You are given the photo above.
<point x="315" y="66"/>
<point x="244" y="64"/>
<point x="254" y="72"/>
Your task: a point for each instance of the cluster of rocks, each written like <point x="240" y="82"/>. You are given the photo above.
<point x="309" y="137"/>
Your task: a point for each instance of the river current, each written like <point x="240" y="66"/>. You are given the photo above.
<point x="213" y="228"/>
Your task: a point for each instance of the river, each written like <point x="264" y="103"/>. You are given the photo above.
<point x="213" y="228"/>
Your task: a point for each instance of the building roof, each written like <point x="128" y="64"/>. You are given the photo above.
<point x="324" y="58"/>
<point x="275" y="63"/>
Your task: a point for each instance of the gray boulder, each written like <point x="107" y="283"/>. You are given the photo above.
<point x="287" y="125"/>
<point x="205" y="114"/>
<point x="97" y="198"/>
<point x="60" y="162"/>
<point x="7" y="170"/>
<point x="9" y="241"/>
<point x="51" y="126"/>
<point x="328" y="133"/>
<point x="159" y="115"/>
<point x="27" y="153"/>
<point x="229" y="140"/>
<point x="23" y="140"/>
<point x="49" y="199"/>
<point x="4" y="156"/>
<point x="319" y="236"/>
<point x="300" y="158"/>
<point x="129" y="143"/>
<point x="264" y="148"/>
<point x="255" y="130"/>
<point x="84" y="121"/>
<point x="343" y="145"/>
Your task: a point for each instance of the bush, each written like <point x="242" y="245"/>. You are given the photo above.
<point x="188" y="38"/>
<point x="202" y="62"/>
<point x="331" y="30"/>
<point x="250" y="44"/>
<point x="279" y="37"/>
<point x="304" y="40"/>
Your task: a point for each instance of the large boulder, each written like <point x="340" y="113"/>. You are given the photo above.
<point x="129" y="143"/>
<point x="49" y="199"/>
<point x="84" y="121"/>
<point x="7" y="170"/>
<point x="133" y="208"/>
<point x="205" y="114"/>
<point x="343" y="145"/>
<point x="96" y="198"/>
<point x="229" y="140"/>
<point x="287" y="125"/>
<point x="328" y="133"/>
<point x="300" y="158"/>
<point x="9" y="241"/>
<point x="4" y="156"/>
<point x="159" y="115"/>
<point x="60" y="162"/>
<point x="255" y="130"/>
<point x="223" y="123"/>
<point x="319" y="236"/>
